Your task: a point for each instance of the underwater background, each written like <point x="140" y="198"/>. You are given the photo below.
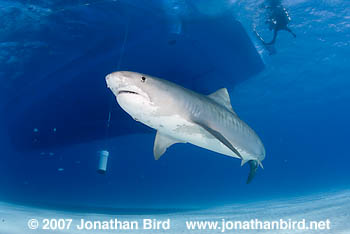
<point x="56" y="112"/>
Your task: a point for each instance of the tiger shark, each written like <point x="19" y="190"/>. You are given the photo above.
<point x="181" y="115"/>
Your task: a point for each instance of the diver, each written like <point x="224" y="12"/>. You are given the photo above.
<point x="277" y="19"/>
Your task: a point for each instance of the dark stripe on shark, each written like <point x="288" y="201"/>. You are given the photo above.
<point x="220" y="137"/>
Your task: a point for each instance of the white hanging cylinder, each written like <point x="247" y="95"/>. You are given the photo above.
<point x="102" y="165"/>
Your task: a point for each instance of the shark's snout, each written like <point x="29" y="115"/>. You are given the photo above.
<point x="116" y="78"/>
<point x="107" y="80"/>
<point x="124" y="83"/>
<point x="113" y="80"/>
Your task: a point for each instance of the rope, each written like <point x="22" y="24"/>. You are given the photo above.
<point x="111" y="100"/>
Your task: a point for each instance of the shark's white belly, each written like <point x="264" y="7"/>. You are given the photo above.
<point x="183" y="130"/>
<point x="175" y="126"/>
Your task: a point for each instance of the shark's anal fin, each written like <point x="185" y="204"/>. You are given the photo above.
<point x="253" y="166"/>
<point x="161" y="143"/>
<point x="220" y="137"/>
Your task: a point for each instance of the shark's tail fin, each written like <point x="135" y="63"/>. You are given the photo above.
<point x="254" y="164"/>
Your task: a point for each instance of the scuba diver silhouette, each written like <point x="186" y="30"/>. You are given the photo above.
<point x="277" y="19"/>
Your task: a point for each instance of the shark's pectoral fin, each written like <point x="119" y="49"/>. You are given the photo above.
<point x="161" y="143"/>
<point x="253" y="166"/>
<point x="220" y="137"/>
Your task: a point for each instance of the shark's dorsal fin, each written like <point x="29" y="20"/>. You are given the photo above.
<point x="161" y="143"/>
<point x="222" y="97"/>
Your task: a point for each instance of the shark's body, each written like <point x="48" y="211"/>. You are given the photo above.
<point x="182" y="116"/>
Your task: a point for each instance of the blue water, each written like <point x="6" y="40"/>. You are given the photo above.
<point x="54" y="102"/>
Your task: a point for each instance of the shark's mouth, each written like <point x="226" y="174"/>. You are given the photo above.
<point x="127" y="91"/>
<point x="133" y="91"/>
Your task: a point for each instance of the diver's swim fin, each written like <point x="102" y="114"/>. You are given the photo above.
<point x="270" y="48"/>
<point x="253" y="166"/>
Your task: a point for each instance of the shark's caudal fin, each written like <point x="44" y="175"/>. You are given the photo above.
<point x="161" y="143"/>
<point x="253" y="167"/>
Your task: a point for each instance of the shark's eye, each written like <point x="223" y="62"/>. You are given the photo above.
<point x="143" y="79"/>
